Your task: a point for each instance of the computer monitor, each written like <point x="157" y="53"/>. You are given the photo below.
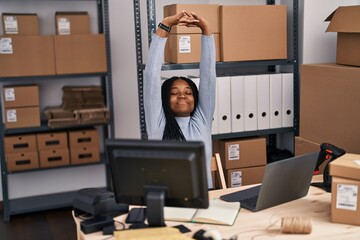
<point x="158" y="173"/>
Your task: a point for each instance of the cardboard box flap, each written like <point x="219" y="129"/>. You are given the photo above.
<point x="347" y="166"/>
<point x="344" y="19"/>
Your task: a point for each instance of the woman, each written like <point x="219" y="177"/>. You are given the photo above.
<point x="177" y="110"/>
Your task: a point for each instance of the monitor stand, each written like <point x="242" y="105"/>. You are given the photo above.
<point x="155" y="202"/>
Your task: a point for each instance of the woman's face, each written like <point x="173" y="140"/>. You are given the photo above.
<point x="181" y="99"/>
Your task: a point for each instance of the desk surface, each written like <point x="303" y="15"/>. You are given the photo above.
<point x="255" y="225"/>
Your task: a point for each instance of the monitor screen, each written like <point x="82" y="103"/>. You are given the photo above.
<point x="157" y="173"/>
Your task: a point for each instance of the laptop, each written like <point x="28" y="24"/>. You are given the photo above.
<point x="283" y="181"/>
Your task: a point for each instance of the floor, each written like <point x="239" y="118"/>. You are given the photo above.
<point x="47" y="225"/>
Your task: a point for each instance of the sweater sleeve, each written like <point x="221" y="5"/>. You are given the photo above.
<point x="207" y="78"/>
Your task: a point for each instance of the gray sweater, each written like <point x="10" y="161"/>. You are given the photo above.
<point x="198" y="126"/>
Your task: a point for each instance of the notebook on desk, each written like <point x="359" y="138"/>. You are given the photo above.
<point x="283" y="181"/>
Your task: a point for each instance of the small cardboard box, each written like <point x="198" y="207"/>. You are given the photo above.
<point x="54" y="157"/>
<point x="304" y="146"/>
<point x="72" y="23"/>
<point x="83" y="138"/>
<point x="241" y="153"/>
<point x="20" y="23"/>
<point x="82" y="53"/>
<point x="51" y="141"/>
<point x="22" y="161"/>
<point x="186" y="48"/>
<point x="83" y="155"/>
<point x="26" y="56"/>
<point x="345" y="21"/>
<point x="21" y="96"/>
<point x="329" y="99"/>
<point x="208" y="11"/>
<point x="244" y="176"/>
<point x="22" y="117"/>
<point x="20" y="143"/>
<point x="345" y="187"/>
<point x="253" y="32"/>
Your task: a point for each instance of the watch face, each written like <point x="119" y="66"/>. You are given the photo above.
<point x="164" y="27"/>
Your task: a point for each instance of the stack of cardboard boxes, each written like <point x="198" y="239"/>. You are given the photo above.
<point x="243" y="160"/>
<point x="242" y="33"/>
<point x="21" y="105"/>
<point x="81" y="105"/>
<point x="21" y="153"/>
<point x="329" y="99"/>
<point x="84" y="146"/>
<point x="74" y="50"/>
<point x="51" y="149"/>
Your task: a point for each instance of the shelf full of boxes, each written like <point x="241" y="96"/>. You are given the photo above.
<point x="72" y="65"/>
<point x="257" y="78"/>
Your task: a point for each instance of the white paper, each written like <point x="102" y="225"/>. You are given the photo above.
<point x="11" y="115"/>
<point x="64" y="26"/>
<point x="11" y="25"/>
<point x="9" y="94"/>
<point x="184" y="44"/>
<point x="346" y="197"/>
<point x="234" y="152"/>
<point x="6" y="46"/>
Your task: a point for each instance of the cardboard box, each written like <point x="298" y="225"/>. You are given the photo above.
<point x="345" y="21"/>
<point x="304" y="146"/>
<point x="253" y="32"/>
<point x="21" y="96"/>
<point x="51" y="141"/>
<point x="345" y="187"/>
<point x="244" y="176"/>
<point x="54" y="157"/>
<point x="85" y="155"/>
<point x="22" y="117"/>
<point x="84" y="53"/>
<point x="20" y="143"/>
<point x="83" y="138"/>
<point x="187" y="48"/>
<point x="20" y="23"/>
<point x="26" y="56"/>
<point x="72" y="23"/>
<point x="22" y="161"/>
<point x="208" y="11"/>
<point x="329" y="99"/>
<point x="241" y="153"/>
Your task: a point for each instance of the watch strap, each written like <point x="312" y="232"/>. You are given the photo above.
<point x="164" y="27"/>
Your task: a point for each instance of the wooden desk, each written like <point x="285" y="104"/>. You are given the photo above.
<point x="250" y="225"/>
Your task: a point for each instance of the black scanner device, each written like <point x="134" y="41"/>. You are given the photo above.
<point x="98" y="205"/>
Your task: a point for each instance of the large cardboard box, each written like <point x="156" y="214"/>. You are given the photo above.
<point x="20" y="23"/>
<point x="209" y="11"/>
<point x="51" y="141"/>
<point x="26" y="56"/>
<point x="345" y="20"/>
<point x="329" y="100"/>
<point x="72" y="23"/>
<point x="82" y="53"/>
<point x="22" y="117"/>
<point x="20" y="143"/>
<point x="244" y="176"/>
<point x="186" y="48"/>
<point x="345" y="187"/>
<point x="22" y="161"/>
<point x="253" y="32"/>
<point x="21" y="96"/>
<point x="241" y="153"/>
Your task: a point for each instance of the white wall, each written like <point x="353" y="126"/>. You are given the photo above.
<point x="125" y="90"/>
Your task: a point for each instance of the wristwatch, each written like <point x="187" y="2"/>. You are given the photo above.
<point x="164" y="27"/>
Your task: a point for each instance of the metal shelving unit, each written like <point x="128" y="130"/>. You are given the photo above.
<point x="60" y="199"/>
<point x="269" y="65"/>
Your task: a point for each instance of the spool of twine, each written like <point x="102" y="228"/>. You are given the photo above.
<point x="297" y="225"/>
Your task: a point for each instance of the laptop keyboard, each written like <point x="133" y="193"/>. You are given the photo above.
<point x="249" y="203"/>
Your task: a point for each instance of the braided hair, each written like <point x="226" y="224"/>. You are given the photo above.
<point x="172" y="129"/>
